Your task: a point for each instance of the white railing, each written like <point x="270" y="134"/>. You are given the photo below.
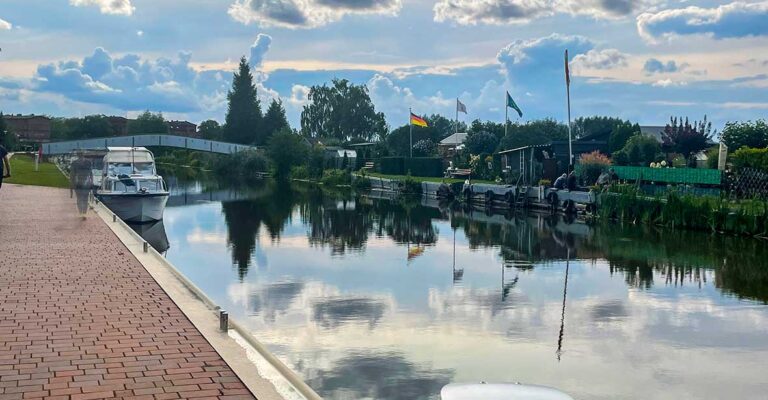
<point x="211" y="146"/>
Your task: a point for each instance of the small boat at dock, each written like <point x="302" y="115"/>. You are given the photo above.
<point x="130" y="185"/>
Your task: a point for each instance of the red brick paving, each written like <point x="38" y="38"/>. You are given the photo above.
<point x="81" y="319"/>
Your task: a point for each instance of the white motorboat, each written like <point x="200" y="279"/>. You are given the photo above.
<point x="130" y="185"/>
<point x="500" y="391"/>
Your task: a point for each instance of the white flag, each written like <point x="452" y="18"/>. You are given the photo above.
<point x="460" y="107"/>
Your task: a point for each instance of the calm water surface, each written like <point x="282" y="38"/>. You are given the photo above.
<point x="369" y="298"/>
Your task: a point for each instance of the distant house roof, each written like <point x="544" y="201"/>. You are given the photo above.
<point x="456" y="138"/>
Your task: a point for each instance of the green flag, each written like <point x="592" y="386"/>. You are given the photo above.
<point x="511" y="103"/>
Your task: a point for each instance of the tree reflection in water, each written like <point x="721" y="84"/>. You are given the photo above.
<point x="344" y="222"/>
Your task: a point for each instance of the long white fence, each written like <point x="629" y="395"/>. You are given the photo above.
<point x="181" y="142"/>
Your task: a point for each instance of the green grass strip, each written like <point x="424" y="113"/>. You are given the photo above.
<point x="23" y="173"/>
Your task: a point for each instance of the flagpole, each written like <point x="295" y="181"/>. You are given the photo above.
<point x="457" y="116"/>
<point x="506" y="114"/>
<point x="568" y="94"/>
<point x="410" y="132"/>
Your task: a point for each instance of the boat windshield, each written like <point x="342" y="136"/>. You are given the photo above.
<point x="139" y="168"/>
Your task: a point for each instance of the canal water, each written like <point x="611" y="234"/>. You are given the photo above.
<point x="370" y="298"/>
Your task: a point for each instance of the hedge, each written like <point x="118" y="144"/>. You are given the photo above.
<point x="746" y="157"/>
<point x="418" y="166"/>
<point x="390" y="165"/>
<point x="424" y="166"/>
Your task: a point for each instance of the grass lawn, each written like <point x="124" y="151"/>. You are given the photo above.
<point x="423" y="178"/>
<point x="23" y="173"/>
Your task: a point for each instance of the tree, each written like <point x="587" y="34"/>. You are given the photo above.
<point x="494" y="128"/>
<point x="7" y="138"/>
<point x="343" y="111"/>
<point x="750" y="134"/>
<point x="146" y="122"/>
<point x="210" y="130"/>
<point x="541" y="131"/>
<point x="286" y="149"/>
<point x="640" y="150"/>
<point x="480" y="143"/>
<point x="686" y="138"/>
<point x="243" y="120"/>
<point x="274" y="120"/>
<point x="595" y="126"/>
<point x="620" y="134"/>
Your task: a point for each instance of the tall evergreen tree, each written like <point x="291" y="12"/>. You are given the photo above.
<point x="243" y="121"/>
<point x="274" y="120"/>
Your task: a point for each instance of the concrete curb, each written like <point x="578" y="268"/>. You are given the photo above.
<point x="204" y="314"/>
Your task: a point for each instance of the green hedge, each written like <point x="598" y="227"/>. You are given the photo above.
<point x="424" y="166"/>
<point x="390" y="166"/>
<point x="746" y="157"/>
<point x="418" y="166"/>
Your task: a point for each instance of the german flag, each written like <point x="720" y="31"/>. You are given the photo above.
<point x="418" y="121"/>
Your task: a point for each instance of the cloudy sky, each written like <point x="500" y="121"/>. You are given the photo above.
<point x="639" y="59"/>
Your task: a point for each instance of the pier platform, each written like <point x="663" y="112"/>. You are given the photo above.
<point x="81" y="318"/>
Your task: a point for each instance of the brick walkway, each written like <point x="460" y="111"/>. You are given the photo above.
<point x="80" y="318"/>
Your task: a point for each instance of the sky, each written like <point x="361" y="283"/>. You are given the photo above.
<point x="643" y="60"/>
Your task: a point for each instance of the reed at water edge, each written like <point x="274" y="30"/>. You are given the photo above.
<point x="685" y="211"/>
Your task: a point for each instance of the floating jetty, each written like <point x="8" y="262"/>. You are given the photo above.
<point x="500" y="197"/>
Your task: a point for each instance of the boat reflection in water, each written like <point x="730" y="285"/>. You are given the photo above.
<point x="154" y="233"/>
<point x="326" y="281"/>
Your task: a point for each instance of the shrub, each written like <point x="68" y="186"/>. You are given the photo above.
<point x="316" y="162"/>
<point x="592" y="165"/>
<point x="242" y="165"/>
<point x="713" y="155"/>
<point x="411" y="186"/>
<point x="424" y="148"/>
<point x="620" y="158"/>
<point x="640" y="150"/>
<point x="336" y="177"/>
<point x="286" y="149"/>
<point x="299" y="172"/>
<point x="746" y="157"/>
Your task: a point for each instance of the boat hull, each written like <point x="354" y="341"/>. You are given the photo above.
<point x="136" y="207"/>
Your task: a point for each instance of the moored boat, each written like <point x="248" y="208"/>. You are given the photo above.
<point x="130" y="185"/>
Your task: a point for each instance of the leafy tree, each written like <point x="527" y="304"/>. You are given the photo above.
<point x="146" y="122"/>
<point x="274" y="120"/>
<point x="595" y="126"/>
<point x="343" y="111"/>
<point x="750" y="134"/>
<point x="316" y="162"/>
<point x="424" y="148"/>
<point x="243" y="120"/>
<point x="533" y="132"/>
<point x="494" y="128"/>
<point x="640" y="150"/>
<point x="686" y="138"/>
<point x="7" y="138"/>
<point x="620" y="134"/>
<point x="480" y="143"/>
<point x="210" y="130"/>
<point x="286" y="149"/>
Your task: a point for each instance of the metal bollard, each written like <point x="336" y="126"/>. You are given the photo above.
<point x="114" y="217"/>
<point x="146" y="247"/>
<point x="223" y="321"/>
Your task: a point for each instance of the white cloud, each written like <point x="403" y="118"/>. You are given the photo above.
<point x="600" y="59"/>
<point x="299" y="95"/>
<point x="306" y="13"/>
<point x="139" y="33"/>
<point x="734" y="20"/>
<point x="116" y="7"/>
<point x="5" y="25"/>
<point x="259" y="48"/>
<point x="497" y="12"/>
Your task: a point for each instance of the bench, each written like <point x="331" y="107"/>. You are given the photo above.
<point x="459" y="173"/>
<point x="368" y="165"/>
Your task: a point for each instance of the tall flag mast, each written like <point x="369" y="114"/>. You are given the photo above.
<point x="568" y="94"/>
<point x="510" y="104"/>
<point x="414" y="120"/>
<point x="460" y="107"/>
